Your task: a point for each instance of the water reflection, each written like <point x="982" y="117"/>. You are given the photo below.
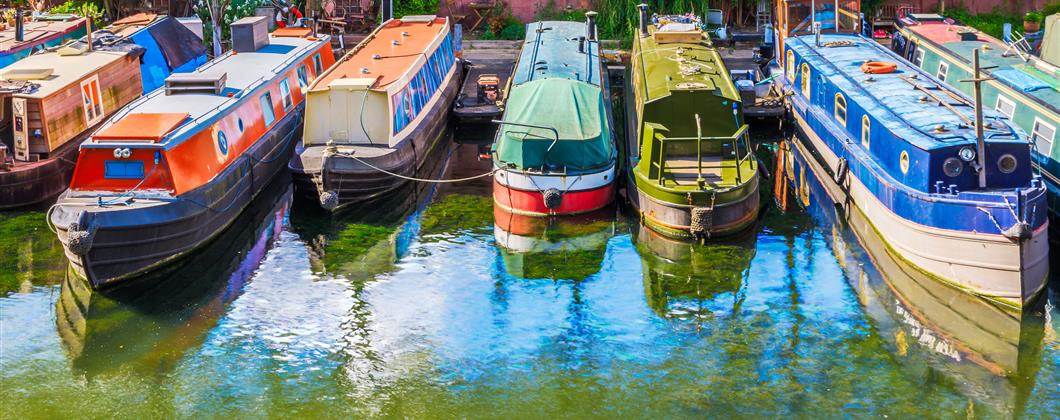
<point x="933" y="329"/>
<point x="148" y="323"/>
<point x="30" y="254"/>
<point x="557" y="248"/>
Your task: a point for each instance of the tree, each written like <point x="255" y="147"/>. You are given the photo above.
<point x="216" y="8"/>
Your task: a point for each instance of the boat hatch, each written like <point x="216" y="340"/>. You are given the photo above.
<point x="28" y="74"/>
<point x="141" y="127"/>
<point x="196" y="83"/>
<point x="292" y="32"/>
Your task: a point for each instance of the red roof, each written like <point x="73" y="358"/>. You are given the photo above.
<point x="142" y="126"/>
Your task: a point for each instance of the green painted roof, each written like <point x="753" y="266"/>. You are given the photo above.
<point x="682" y="66"/>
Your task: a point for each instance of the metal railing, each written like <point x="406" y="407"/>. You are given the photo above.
<point x="740" y="136"/>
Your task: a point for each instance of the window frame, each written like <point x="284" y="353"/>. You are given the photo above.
<point x="943" y="71"/>
<point x="285" y="94"/>
<point x="840" y="98"/>
<point x="997" y="106"/>
<point x="302" y="74"/>
<point x="1038" y="123"/>
<point x="919" y="58"/>
<point x="318" y="65"/>
<point x="268" y="114"/>
<point x="804" y="82"/>
<point x="94" y="113"/>
<point x="790" y="66"/>
<point x="866" y="131"/>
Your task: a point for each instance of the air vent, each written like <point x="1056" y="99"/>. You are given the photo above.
<point x="197" y="83"/>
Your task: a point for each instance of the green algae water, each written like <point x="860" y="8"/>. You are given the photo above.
<point x="432" y="303"/>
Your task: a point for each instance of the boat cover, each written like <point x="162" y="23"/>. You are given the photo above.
<point x="574" y="109"/>
<point x="1051" y="42"/>
<point x="1021" y="80"/>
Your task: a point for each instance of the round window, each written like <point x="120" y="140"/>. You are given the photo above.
<point x="240" y="122"/>
<point x="952" y="167"/>
<point x="903" y="162"/>
<point x="1007" y="164"/>
<point x="222" y="143"/>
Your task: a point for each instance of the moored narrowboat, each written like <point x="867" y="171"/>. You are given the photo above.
<point x="374" y="118"/>
<point x="44" y="31"/>
<point x="554" y="152"/>
<point x="38" y="152"/>
<point x="1023" y="87"/>
<point x="691" y="171"/>
<point x="965" y="208"/>
<point x="174" y="168"/>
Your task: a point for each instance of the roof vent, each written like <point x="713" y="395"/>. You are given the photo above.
<point x="250" y="34"/>
<point x="196" y="83"/>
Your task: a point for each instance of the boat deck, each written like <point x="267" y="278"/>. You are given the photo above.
<point x="35" y="31"/>
<point x="551" y="51"/>
<point x="892" y="98"/>
<point x="394" y="59"/>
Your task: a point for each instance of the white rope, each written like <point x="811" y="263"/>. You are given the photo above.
<point x="433" y="181"/>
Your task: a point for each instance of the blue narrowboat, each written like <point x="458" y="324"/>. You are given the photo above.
<point x="903" y="145"/>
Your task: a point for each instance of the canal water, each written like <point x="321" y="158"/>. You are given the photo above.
<point x="433" y="303"/>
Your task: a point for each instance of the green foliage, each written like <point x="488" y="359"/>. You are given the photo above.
<point x="237" y="9"/>
<point x="514" y="32"/>
<point x="87" y="8"/>
<point x="1051" y="8"/>
<point x="1032" y="17"/>
<point x="415" y="7"/>
<point x="989" y="23"/>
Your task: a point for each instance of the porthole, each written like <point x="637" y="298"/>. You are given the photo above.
<point x="1007" y="164"/>
<point x="222" y="143"/>
<point x="903" y="162"/>
<point x="952" y="167"/>
<point x="239" y="121"/>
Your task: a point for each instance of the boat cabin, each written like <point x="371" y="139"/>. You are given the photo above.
<point x="395" y="75"/>
<point x="65" y="93"/>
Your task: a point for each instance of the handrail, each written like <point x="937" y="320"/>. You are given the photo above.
<point x="661" y="162"/>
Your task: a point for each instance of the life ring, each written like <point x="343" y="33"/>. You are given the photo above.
<point x="879" y="67"/>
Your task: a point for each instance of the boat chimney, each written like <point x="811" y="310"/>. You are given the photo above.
<point x="20" y="30"/>
<point x="250" y="34"/>
<point x="581" y="44"/>
<point x="590" y="28"/>
<point x="643" y="19"/>
<point x="817" y="33"/>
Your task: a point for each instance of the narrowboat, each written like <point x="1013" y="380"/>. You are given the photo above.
<point x="971" y="341"/>
<point x="1022" y="87"/>
<point x="37" y="33"/>
<point x="39" y="94"/>
<point x="174" y="168"/>
<point x="964" y="208"/>
<point x="374" y="117"/>
<point x="557" y="248"/>
<point x="554" y="151"/>
<point x="691" y="171"/>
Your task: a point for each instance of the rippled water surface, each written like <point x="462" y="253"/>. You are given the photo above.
<point x="436" y="304"/>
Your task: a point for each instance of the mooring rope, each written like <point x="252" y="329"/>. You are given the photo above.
<point x="409" y="178"/>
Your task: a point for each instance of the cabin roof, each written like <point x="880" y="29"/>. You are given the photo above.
<point x="130" y="24"/>
<point x="894" y="102"/>
<point x="697" y="67"/>
<point x="245" y="72"/>
<point x="1036" y="79"/>
<point x="395" y="60"/>
<point x="551" y="51"/>
<point x="140" y="126"/>
<point x="66" y="69"/>
<point x="36" y="30"/>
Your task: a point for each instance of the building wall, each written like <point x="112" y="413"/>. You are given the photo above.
<point x="524" y="10"/>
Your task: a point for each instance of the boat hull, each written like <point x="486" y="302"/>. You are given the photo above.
<point x="676" y="220"/>
<point x="319" y="172"/>
<point x="29" y="183"/>
<point x="525" y="194"/>
<point x="146" y="234"/>
<point x="991" y="266"/>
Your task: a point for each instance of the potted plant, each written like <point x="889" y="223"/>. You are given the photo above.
<point x="9" y="17"/>
<point x="1032" y="22"/>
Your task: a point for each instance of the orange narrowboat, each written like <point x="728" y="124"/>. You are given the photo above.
<point x="173" y="169"/>
<point x="374" y="118"/>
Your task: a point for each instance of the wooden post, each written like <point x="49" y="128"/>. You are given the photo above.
<point x="980" y="142"/>
<point x="88" y="31"/>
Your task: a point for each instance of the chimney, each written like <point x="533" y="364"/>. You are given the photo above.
<point x="20" y="30"/>
<point x="581" y="44"/>
<point x="643" y="19"/>
<point x="590" y="16"/>
<point x="250" y="33"/>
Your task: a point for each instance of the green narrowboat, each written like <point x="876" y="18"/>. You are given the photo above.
<point x="691" y="172"/>
<point x="1024" y="88"/>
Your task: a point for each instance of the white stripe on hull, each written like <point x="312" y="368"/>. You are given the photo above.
<point x="526" y="244"/>
<point x="988" y="264"/>
<point x="583" y="182"/>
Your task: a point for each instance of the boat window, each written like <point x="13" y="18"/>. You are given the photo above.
<point x="285" y="94"/>
<point x="919" y="59"/>
<point x="1005" y="106"/>
<point x="1043" y="135"/>
<point x="123" y="169"/>
<point x="791" y="66"/>
<point x="267" y="113"/>
<point x="943" y="70"/>
<point x="92" y="100"/>
<point x="805" y="80"/>
<point x="303" y="76"/>
<point x="414" y="98"/>
<point x="841" y="109"/>
<point x="318" y="67"/>
<point x="865" y="131"/>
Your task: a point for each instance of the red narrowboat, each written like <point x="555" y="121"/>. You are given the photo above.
<point x="173" y="169"/>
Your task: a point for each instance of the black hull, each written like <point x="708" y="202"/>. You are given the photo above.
<point x="25" y="185"/>
<point x="350" y="181"/>
<point x="130" y="240"/>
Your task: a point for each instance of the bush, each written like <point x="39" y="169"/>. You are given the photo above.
<point x="1051" y="8"/>
<point x="1032" y="17"/>
<point x="415" y="7"/>
<point x="513" y="32"/>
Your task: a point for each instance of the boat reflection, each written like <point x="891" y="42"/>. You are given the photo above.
<point x="148" y="323"/>
<point x="990" y="354"/>
<point x="557" y="248"/>
<point x="690" y="279"/>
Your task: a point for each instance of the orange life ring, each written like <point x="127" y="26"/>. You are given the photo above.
<point x="879" y="67"/>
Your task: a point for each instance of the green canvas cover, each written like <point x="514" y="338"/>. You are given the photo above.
<point x="575" y="109"/>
